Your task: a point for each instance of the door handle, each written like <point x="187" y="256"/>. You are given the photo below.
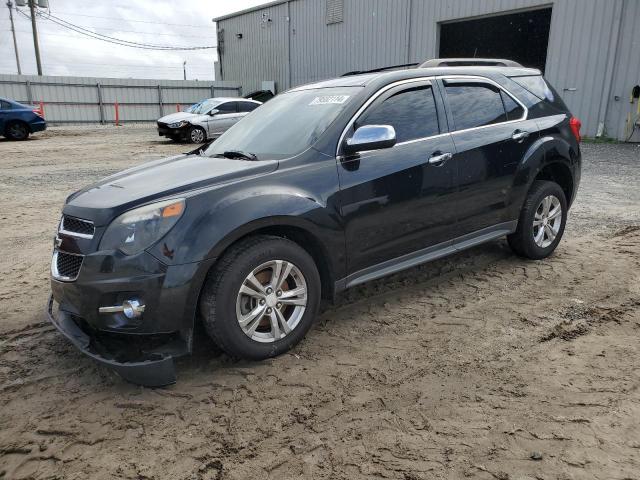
<point x="519" y="135"/>
<point x="438" y="159"/>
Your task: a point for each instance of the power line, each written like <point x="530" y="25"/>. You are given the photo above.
<point x="148" y="46"/>
<point x="133" y="21"/>
<point x="124" y="31"/>
<point x="117" y="41"/>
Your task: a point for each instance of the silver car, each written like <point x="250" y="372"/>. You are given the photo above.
<point x="205" y="120"/>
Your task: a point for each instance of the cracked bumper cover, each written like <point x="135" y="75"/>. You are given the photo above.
<point x="156" y="371"/>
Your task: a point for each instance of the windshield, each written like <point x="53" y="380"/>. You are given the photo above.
<point x="203" y="107"/>
<point x="286" y="125"/>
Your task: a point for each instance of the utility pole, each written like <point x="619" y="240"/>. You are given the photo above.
<point x="36" y="45"/>
<point x="184" y="69"/>
<point x="13" y="31"/>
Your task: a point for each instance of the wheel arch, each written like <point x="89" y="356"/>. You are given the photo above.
<point x="292" y="229"/>
<point x="549" y="158"/>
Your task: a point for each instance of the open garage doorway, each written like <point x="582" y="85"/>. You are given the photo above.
<point x="521" y="36"/>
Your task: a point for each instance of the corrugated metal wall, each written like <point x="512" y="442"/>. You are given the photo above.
<point x="262" y="52"/>
<point x="92" y="100"/>
<point x="585" y="51"/>
<point x="626" y="76"/>
<point x="373" y="34"/>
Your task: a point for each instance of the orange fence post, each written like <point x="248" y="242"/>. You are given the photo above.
<point x="117" y="114"/>
<point x="41" y="108"/>
<point x="177" y="107"/>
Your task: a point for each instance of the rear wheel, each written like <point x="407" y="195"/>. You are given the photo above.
<point x="196" y="135"/>
<point x="17" y="131"/>
<point x="542" y="221"/>
<point x="261" y="298"/>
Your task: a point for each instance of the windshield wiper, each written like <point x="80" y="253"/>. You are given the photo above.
<point x="239" y="154"/>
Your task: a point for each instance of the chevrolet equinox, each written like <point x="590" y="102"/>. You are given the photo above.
<point x="325" y="187"/>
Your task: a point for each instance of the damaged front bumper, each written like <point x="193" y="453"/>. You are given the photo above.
<point x="152" y="367"/>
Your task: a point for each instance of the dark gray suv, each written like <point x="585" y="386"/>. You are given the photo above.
<point x="324" y="187"/>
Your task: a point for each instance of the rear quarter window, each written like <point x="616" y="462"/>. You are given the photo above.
<point x="5" y="105"/>
<point x="538" y="86"/>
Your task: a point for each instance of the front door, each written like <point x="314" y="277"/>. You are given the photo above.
<point x="227" y="114"/>
<point x="394" y="201"/>
<point x="491" y="136"/>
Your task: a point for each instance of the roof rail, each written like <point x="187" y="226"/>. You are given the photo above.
<point x="469" y="62"/>
<point x="381" y="69"/>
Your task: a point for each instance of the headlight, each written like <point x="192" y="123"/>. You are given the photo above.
<point x="177" y="124"/>
<point x="140" y="228"/>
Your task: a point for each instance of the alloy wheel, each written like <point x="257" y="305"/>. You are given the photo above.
<point x="271" y="301"/>
<point x="197" y="135"/>
<point x="547" y="221"/>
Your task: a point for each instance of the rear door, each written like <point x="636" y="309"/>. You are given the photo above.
<point x="491" y="135"/>
<point x="246" y="107"/>
<point x="226" y="116"/>
<point x="395" y="202"/>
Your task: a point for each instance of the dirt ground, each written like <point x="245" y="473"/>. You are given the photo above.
<point x="480" y="366"/>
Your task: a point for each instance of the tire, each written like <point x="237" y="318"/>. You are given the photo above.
<point x="223" y="305"/>
<point x="17" y="131"/>
<point x="196" y="135"/>
<point x="529" y="240"/>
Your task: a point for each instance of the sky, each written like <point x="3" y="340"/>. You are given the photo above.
<point x="160" y="22"/>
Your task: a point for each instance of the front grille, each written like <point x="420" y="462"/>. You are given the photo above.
<point x="76" y="226"/>
<point x="67" y="266"/>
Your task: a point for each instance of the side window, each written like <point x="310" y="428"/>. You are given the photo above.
<point x="228" y="107"/>
<point x="247" y="106"/>
<point x="5" y="105"/>
<point x="412" y="112"/>
<point x="474" y="104"/>
<point x="513" y="108"/>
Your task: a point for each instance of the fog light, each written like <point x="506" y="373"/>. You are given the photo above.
<point x="130" y="308"/>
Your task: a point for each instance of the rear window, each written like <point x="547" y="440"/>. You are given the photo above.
<point x="247" y="106"/>
<point x="474" y="104"/>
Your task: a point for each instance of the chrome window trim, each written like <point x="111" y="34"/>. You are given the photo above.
<point x="54" y="267"/>
<point x="481" y="79"/>
<point x="478" y="78"/>
<point x="76" y="234"/>
<point x="371" y="99"/>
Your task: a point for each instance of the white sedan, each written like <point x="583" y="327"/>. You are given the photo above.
<point x="205" y="120"/>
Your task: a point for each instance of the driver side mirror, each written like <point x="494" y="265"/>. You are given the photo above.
<point x="213" y="112"/>
<point x="370" y="137"/>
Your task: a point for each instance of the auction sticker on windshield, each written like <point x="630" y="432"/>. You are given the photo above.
<point x="329" y="99"/>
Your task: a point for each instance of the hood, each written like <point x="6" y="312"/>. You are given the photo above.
<point x="178" y="116"/>
<point x="173" y="176"/>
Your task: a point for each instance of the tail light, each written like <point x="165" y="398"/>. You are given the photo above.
<point x="575" y="125"/>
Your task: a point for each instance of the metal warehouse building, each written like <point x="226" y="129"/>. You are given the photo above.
<point x="588" y="49"/>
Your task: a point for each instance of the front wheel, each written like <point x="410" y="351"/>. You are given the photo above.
<point x="196" y="135"/>
<point x="261" y="298"/>
<point x="542" y="221"/>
